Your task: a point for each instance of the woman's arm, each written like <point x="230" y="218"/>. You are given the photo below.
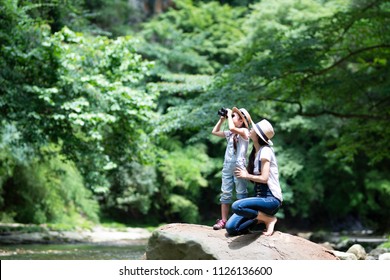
<point x="263" y="178"/>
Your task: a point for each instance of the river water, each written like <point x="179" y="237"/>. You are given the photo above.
<point x="77" y="251"/>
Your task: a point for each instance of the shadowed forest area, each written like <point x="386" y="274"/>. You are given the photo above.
<point x="107" y="107"/>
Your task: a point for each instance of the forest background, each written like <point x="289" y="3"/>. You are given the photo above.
<point x="107" y="108"/>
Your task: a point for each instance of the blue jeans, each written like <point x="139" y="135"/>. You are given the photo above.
<point x="229" y="181"/>
<point x="245" y="211"/>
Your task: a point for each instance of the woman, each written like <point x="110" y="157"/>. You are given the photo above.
<point x="263" y="171"/>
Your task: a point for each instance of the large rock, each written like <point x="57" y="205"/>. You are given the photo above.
<point x="197" y="242"/>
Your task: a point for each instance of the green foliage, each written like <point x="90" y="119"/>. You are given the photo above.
<point x="185" y="168"/>
<point x="193" y="39"/>
<point x="105" y="109"/>
<point x="182" y="209"/>
<point x="51" y="191"/>
<point x="9" y="152"/>
<point x="81" y="93"/>
<point x="174" y="93"/>
<point x="376" y="197"/>
<point x="56" y="13"/>
<point x="385" y="245"/>
<point x="111" y="17"/>
<point x="329" y="68"/>
<point x="318" y="70"/>
<point x="189" y="44"/>
<point x="133" y="188"/>
<point x="183" y="171"/>
<point x="102" y="17"/>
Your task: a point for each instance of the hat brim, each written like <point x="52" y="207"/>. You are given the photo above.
<point x="269" y="142"/>
<point x="236" y="110"/>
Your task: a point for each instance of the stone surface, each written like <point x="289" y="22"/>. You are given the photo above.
<point x="345" y="256"/>
<point x="385" y="256"/>
<point x="197" y="242"/>
<point x="358" y="250"/>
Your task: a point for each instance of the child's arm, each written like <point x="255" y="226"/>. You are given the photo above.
<point x="242" y="131"/>
<point x="217" y="128"/>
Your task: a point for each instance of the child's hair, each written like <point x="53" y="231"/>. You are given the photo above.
<point x="252" y="155"/>
<point x="235" y="137"/>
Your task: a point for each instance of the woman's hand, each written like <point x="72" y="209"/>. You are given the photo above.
<point x="241" y="173"/>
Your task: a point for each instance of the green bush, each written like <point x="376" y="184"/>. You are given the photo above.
<point x="51" y="191"/>
<point x="184" y="171"/>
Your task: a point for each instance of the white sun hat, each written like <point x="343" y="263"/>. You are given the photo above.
<point x="265" y="130"/>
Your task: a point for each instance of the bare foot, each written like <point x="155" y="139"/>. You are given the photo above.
<point x="269" y="222"/>
<point x="270" y="227"/>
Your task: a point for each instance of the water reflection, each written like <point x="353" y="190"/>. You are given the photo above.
<point x="73" y="251"/>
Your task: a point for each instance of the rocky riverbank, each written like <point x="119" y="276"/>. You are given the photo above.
<point x="343" y="248"/>
<point x="18" y="234"/>
<point x="352" y="245"/>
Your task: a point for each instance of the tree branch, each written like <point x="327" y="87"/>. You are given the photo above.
<point x="323" y="71"/>
<point x="345" y="116"/>
<point x="325" y="112"/>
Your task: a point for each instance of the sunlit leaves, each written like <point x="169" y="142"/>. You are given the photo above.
<point x="194" y="39"/>
<point x="49" y="191"/>
<point x="186" y="168"/>
<point x="79" y="92"/>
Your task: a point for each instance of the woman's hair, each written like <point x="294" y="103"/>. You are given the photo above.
<point x="252" y="155"/>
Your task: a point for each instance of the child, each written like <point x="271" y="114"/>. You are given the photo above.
<point x="235" y="156"/>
